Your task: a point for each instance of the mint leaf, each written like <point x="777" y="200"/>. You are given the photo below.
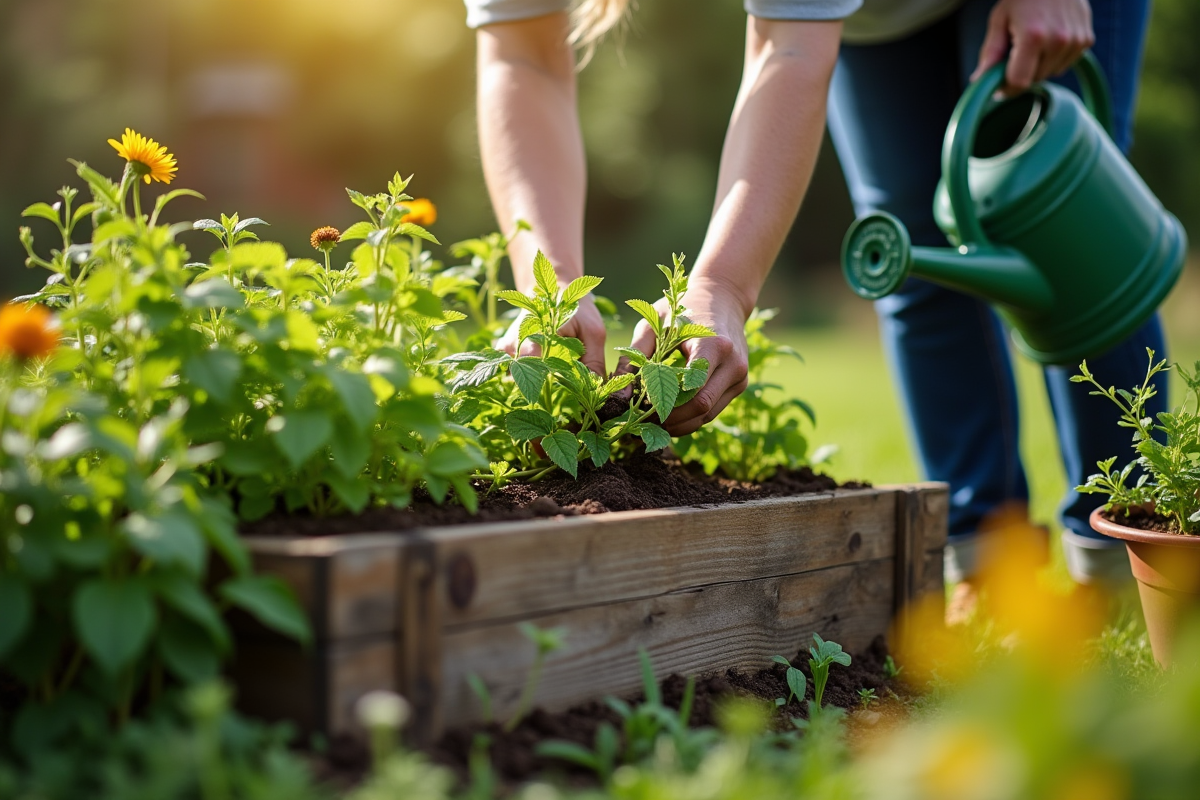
<point x="599" y="448"/>
<point x="563" y="449"/>
<point x="528" y="423"/>
<point x="579" y="288"/>
<point x="648" y="312"/>
<point x="530" y="375"/>
<point x="545" y="276"/>
<point x="654" y="437"/>
<point x="662" y="385"/>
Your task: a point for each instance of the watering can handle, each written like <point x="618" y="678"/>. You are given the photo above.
<point x="960" y="136"/>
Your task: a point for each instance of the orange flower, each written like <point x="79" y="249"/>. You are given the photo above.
<point x="325" y="238"/>
<point x="27" y="331"/>
<point x="420" y="212"/>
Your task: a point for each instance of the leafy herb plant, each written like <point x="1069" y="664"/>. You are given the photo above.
<point x="823" y="656"/>
<point x="756" y="435"/>
<point x="1167" y="466"/>
<point x="536" y="414"/>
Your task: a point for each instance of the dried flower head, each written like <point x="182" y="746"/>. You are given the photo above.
<point x="325" y="238"/>
<point x="27" y="331"/>
<point x="148" y="158"/>
<point x="420" y="212"/>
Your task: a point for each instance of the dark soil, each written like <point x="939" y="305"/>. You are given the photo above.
<point x="514" y="757"/>
<point x="1144" y="519"/>
<point x="643" y="481"/>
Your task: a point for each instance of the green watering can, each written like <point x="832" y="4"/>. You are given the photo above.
<point x="1050" y="223"/>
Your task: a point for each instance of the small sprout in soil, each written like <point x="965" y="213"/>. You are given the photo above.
<point x="866" y="697"/>
<point x="547" y="641"/>
<point x="890" y="669"/>
<point x="480" y="690"/>
<point x="602" y="759"/>
<point x="824" y="655"/>
<point x="797" y="683"/>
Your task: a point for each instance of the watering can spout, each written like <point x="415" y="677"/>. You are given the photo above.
<point x="877" y="258"/>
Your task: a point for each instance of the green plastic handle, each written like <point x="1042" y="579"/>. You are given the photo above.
<point x="964" y="124"/>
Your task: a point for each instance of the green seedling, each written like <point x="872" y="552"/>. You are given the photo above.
<point x="480" y="690"/>
<point x="546" y="641"/>
<point x="890" y="669"/>
<point x="602" y="759"/>
<point x="866" y="697"/>
<point x="824" y="655"/>
<point x="797" y="683"/>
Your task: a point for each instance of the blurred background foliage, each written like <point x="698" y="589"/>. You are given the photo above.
<point x="274" y="106"/>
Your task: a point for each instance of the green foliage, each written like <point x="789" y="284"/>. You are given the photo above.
<point x="546" y="642"/>
<point x="547" y="412"/>
<point x="1168" y="462"/>
<point x="797" y="683"/>
<point x="824" y="655"/>
<point x="866" y="697"/>
<point x="755" y="436"/>
<point x="890" y="669"/>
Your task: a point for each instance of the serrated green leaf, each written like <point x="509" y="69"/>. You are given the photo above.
<point x="696" y="374"/>
<point x="616" y="384"/>
<point x="655" y="437"/>
<point x="635" y="356"/>
<point x="545" y="276"/>
<point x="563" y="449"/>
<point x="647" y="312"/>
<point x="525" y="424"/>
<point x="530" y="375"/>
<point x="579" y="288"/>
<point x="662" y="386"/>
<point x="691" y="330"/>
<point x="515" y="298"/>
<point x="113" y="620"/>
<point x="599" y="448"/>
<point x="358" y="230"/>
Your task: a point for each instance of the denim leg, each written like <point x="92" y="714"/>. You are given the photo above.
<point x="889" y="107"/>
<point x="1087" y="426"/>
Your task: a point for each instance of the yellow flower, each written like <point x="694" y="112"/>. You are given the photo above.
<point x="27" y="331"/>
<point x="325" y="238"/>
<point x="148" y="157"/>
<point x="420" y="212"/>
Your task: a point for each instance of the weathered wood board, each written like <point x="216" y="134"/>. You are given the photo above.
<point x="702" y="589"/>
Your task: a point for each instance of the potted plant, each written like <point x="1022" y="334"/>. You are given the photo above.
<point x="1154" y="501"/>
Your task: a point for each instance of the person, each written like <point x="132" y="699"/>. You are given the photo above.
<point x="891" y="71"/>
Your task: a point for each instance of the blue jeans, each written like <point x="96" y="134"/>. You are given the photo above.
<point x="889" y="107"/>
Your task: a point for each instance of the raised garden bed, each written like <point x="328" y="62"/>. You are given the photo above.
<point x="703" y="589"/>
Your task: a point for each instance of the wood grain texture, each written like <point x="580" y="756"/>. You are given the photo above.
<point x="626" y="555"/>
<point x="712" y="628"/>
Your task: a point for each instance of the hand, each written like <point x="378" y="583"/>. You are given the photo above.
<point x="587" y="326"/>
<point x="727" y="354"/>
<point x="1046" y="38"/>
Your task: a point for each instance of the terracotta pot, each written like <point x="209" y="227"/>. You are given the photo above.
<point x="1167" y="569"/>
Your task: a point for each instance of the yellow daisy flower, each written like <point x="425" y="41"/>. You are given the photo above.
<point x="148" y="157"/>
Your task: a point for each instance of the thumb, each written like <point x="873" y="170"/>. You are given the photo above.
<point x="995" y="43"/>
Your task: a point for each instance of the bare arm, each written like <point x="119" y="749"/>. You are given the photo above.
<point x="770" y="149"/>
<point x="533" y="158"/>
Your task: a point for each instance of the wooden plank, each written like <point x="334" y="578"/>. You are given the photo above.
<point x="315" y="689"/>
<point x="419" y="668"/>
<point x="345" y="584"/>
<point x="498" y="572"/>
<point x="737" y="624"/>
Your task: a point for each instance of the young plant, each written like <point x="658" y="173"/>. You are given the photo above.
<point x="1168" y="460"/>
<point x="755" y="436"/>
<point x="797" y="683"/>
<point x="545" y="642"/>
<point x="601" y="759"/>
<point x="866" y="697"/>
<point x="548" y="411"/>
<point x="824" y="655"/>
<point x="891" y="670"/>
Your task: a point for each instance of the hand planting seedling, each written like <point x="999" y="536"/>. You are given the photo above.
<point x="1168" y="477"/>
<point x="797" y="683"/>
<point x="546" y="642"/>
<point x="824" y="655"/>
<point x="756" y="436"/>
<point x="548" y="411"/>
